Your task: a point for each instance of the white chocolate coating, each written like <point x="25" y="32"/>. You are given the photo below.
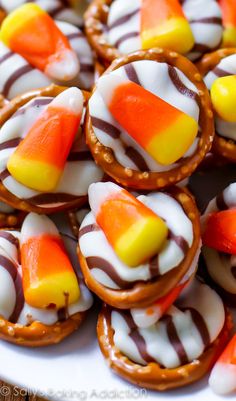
<point x="180" y="336"/>
<point x="204" y="16"/>
<point x="93" y="244"/>
<point x="158" y="79"/>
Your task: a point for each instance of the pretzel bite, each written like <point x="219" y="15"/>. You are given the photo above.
<point x="35" y="153"/>
<point x="119" y="27"/>
<point x="122" y="260"/>
<point x="161" y="93"/>
<point x="218" y="71"/>
<point x="43" y="298"/>
<point x="176" y="350"/>
<point x="218" y="234"/>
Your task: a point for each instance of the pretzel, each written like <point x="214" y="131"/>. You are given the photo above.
<point x="153" y="376"/>
<point x="106" y="158"/>
<point x="143" y="293"/>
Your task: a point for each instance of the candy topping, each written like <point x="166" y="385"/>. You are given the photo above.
<point x="163" y="24"/>
<point x="134" y="231"/>
<point x="164" y="131"/>
<point x="49" y="280"/>
<point x="39" y="159"/>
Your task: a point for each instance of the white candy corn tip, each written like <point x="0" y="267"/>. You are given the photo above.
<point x="35" y="225"/>
<point x="143" y="319"/>
<point x="223" y="378"/>
<point x="65" y="68"/>
<point x="71" y="99"/>
<point x="99" y="192"/>
<point x="107" y="84"/>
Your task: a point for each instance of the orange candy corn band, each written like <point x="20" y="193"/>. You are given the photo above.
<point x="5" y="114"/>
<point x="143" y="294"/>
<point x="153" y="376"/>
<point x="221" y="146"/>
<point x="148" y="179"/>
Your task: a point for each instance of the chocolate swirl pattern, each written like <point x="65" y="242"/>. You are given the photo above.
<point x="12" y="303"/>
<point x="79" y="168"/>
<point x="170" y="84"/>
<point x="123" y="25"/>
<point x="181" y="336"/>
<point x="108" y="269"/>
<point x="221" y="266"/>
<point x="18" y="76"/>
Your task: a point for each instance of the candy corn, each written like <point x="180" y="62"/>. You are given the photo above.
<point x="165" y="132"/>
<point x="228" y="8"/>
<point x="220" y="231"/>
<point x="163" y="24"/>
<point x="134" y="231"/>
<point x="49" y="280"/>
<point x="32" y="33"/>
<point x="39" y="159"/>
<point x="223" y="376"/>
<point x="223" y="96"/>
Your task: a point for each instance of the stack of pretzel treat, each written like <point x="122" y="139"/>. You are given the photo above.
<point x="121" y="116"/>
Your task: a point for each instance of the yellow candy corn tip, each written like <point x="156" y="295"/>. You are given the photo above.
<point x="142" y="241"/>
<point x="172" y="143"/>
<point x="229" y="37"/>
<point x="33" y="174"/>
<point x="58" y="289"/>
<point x="174" y="34"/>
<point x="16" y="20"/>
<point x="223" y="96"/>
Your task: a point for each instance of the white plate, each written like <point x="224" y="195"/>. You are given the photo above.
<point x="75" y="370"/>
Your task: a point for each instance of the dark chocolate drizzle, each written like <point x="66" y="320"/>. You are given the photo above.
<point x="180" y="85"/>
<point x="6" y="56"/>
<point x="201" y="326"/>
<point x="11" y="143"/>
<point x="136" y="336"/>
<point x="126" y="37"/>
<point x="4" y="174"/>
<point x="174" y="339"/>
<point x="88" y="229"/>
<point x="47" y="198"/>
<point x="10" y="238"/>
<point x="122" y="20"/>
<point x="180" y="241"/>
<point x="136" y="158"/>
<point x="106" y="127"/>
<point x="37" y="102"/>
<point x="207" y="20"/>
<point x="132" y="73"/>
<point x="105" y="266"/>
<point x="14" y="77"/>
<point x="220" y="72"/>
<point x="8" y="265"/>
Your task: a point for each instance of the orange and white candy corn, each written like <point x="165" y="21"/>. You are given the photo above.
<point x="164" y="131"/>
<point x="134" y="231"/>
<point x="49" y="280"/>
<point x="32" y="33"/>
<point x="39" y="159"/>
<point x="223" y="376"/>
<point x="228" y="8"/>
<point x="163" y="24"/>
